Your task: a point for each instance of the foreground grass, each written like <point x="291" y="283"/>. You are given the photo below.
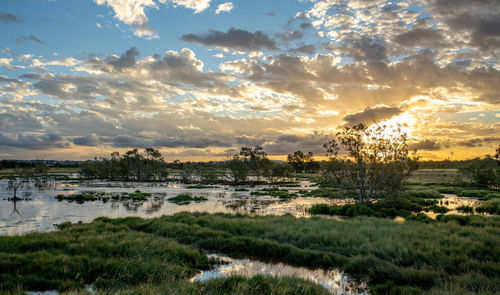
<point x="408" y="258"/>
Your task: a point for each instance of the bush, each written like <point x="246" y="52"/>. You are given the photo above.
<point x="492" y="207"/>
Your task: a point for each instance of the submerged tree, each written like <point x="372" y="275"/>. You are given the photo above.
<point x="371" y="161"/>
<point x="19" y="179"/>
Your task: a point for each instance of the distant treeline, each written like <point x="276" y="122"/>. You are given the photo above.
<point x="11" y="164"/>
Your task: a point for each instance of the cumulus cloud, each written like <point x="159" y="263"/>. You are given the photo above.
<point x="233" y="39"/>
<point x="10" y="18"/>
<point x="131" y="12"/>
<point x="372" y="115"/>
<point x="196" y="5"/>
<point x="224" y="7"/>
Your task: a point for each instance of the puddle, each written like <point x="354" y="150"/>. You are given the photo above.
<point x="334" y="281"/>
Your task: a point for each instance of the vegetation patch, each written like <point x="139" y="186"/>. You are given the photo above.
<point x="328" y="192"/>
<point x="199" y="186"/>
<point x="477" y="194"/>
<point x="101" y="196"/>
<point x="425" y="194"/>
<point x="275" y="192"/>
<point x="404" y="207"/>
<point x="492" y="207"/>
<point x="241" y="189"/>
<point x="103" y="254"/>
<point x="434" y="258"/>
<point x="186" y="198"/>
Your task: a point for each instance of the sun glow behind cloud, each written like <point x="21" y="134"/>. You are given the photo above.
<point x="285" y="79"/>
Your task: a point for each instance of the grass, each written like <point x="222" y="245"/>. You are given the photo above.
<point x="186" y="198"/>
<point x="442" y="257"/>
<point x="101" y="196"/>
<point x="199" y="186"/>
<point x="241" y="189"/>
<point x="405" y="207"/>
<point x="425" y="194"/>
<point x="145" y="256"/>
<point x="275" y="192"/>
<point x="491" y="206"/>
<point x="328" y="192"/>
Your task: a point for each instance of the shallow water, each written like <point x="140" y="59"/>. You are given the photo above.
<point x="452" y="202"/>
<point x="42" y="211"/>
<point x="333" y="280"/>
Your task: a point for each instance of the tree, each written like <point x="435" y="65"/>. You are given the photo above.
<point x="371" y="161"/>
<point x="256" y="160"/>
<point x="300" y="162"/>
<point x="238" y="169"/>
<point x="18" y="179"/>
<point x="497" y="155"/>
<point x="483" y="172"/>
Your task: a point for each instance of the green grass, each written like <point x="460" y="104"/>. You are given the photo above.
<point x="404" y="207"/>
<point x="275" y="192"/>
<point x="105" y="255"/>
<point x="101" y="196"/>
<point x="241" y="190"/>
<point x="492" y="207"/>
<point x="328" y="192"/>
<point x="435" y="258"/>
<point x="144" y="256"/>
<point x="425" y="194"/>
<point x="474" y="193"/>
<point x="186" y="198"/>
<point x="199" y="186"/>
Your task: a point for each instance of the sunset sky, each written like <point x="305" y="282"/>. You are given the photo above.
<point x="195" y="78"/>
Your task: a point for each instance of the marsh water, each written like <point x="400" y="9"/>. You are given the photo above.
<point x="41" y="211"/>
<point x="333" y="280"/>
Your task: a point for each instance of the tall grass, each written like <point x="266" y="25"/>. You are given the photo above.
<point x="124" y="254"/>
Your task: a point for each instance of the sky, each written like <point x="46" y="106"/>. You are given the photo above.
<point x="197" y="78"/>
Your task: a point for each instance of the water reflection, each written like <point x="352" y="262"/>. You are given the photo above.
<point x="333" y="280"/>
<point x="44" y="210"/>
<point x="453" y="202"/>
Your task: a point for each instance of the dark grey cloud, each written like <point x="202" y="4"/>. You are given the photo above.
<point x="306" y="26"/>
<point x="31" y="76"/>
<point x="127" y="141"/>
<point x="419" y="36"/>
<point x="475" y="142"/>
<point x="289" y="138"/>
<point x="89" y="140"/>
<point x="480" y="19"/>
<point x="233" y="38"/>
<point x="371" y="115"/>
<point x="33" y="142"/>
<point x="126" y="60"/>
<point x="426" y="144"/>
<point x="290" y="36"/>
<point x="8" y="80"/>
<point x="10" y="18"/>
<point x="31" y="37"/>
<point x="249" y="140"/>
<point x="307" y="49"/>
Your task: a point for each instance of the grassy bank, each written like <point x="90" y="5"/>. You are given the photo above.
<point x="408" y="258"/>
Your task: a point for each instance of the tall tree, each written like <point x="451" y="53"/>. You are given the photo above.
<point x="371" y="161"/>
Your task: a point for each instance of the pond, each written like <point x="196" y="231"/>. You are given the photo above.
<point x="43" y="210"/>
<point x="333" y="280"/>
